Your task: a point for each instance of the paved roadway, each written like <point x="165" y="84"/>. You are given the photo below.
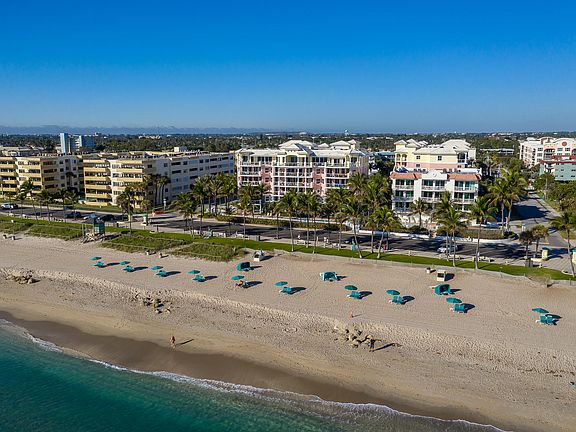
<point x="171" y="221"/>
<point x="532" y="211"/>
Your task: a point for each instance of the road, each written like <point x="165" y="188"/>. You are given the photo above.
<point x="532" y="211"/>
<point x="173" y="222"/>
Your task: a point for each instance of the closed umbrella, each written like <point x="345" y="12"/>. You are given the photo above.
<point x="237" y="277"/>
<point x="95" y="258"/>
<point x="392" y="292"/>
<point x="124" y="262"/>
<point x="453" y="300"/>
<point x="156" y="268"/>
<point x="194" y="272"/>
<point x="350" y="288"/>
<point x="540" y="310"/>
<point x="281" y="283"/>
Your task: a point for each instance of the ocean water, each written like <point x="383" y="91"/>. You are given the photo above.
<point x="44" y="389"/>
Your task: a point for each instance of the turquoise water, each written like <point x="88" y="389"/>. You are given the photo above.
<point x="43" y="389"/>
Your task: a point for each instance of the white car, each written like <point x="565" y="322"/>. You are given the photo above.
<point x="450" y="249"/>
<point x="8" y="206"/>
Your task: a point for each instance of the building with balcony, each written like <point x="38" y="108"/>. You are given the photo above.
<point x="534" y="150"/>
<point x="421" y="156"/>
<point x="424" y="171"/>
<point x="301" y="166"/>
<point x="72" y="143"/>
<point x="50" y="172"/>
<point x="563" y="169"/>
<point x="107" y="175"/>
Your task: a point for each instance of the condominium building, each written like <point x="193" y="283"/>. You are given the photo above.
<point x="301" y="166"/>
<point x="425" y="171"/>
<point x="50" y="172"/>
<point x="107" y="175"/>
<point x="421" y="156"/>
<point x="534" y="150"/>
<point x="72" y="143"/>
<point x="563" y="169"/>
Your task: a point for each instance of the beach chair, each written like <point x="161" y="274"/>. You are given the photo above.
<point x="460" y="308"/>
<point x="442" y="289"/>
<point x="161" y="273"/>
<point x="287" y="290"/>
<point x="441" y="276"/>
<point x="355" y="295"/>
<point x="243" y="266"/>
<point x="546" y="319"/>
<point x="397" y="299"/>
<point x="128" y="269"/>
<point x="328" y="276"/>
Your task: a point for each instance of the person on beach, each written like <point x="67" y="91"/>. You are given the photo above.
<point x="173" y="341"/>
<point x="372" y="341"/>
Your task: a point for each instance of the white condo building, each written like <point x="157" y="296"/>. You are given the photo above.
<point x="301" y="166"/>
<point x="534" y="150"/>
<point x="425" y="171"/>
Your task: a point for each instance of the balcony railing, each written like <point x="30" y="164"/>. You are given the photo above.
<point x="434" y="188"/>
<point x="465" y="188"/>
<point x="404" y="187"/>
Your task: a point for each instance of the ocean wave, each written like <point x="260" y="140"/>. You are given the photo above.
<point x="22" y="332"/>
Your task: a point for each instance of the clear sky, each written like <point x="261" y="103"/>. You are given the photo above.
<point x="388" y="66"/>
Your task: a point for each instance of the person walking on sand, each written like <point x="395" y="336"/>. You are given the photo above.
<point x="173" y="341"/>
<point x="372" y="341"/>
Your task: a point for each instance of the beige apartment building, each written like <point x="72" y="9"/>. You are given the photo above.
<point x="48" y="172"/>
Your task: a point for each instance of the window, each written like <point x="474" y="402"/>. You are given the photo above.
<point x="417" y="157"/>
<point x="439" y="158"/>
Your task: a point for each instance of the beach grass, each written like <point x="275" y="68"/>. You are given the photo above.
<point x="13" y="227"/>
<point x="137" y="241"/>
<point x="61" y="232"/>
<point x="210" y="251"/>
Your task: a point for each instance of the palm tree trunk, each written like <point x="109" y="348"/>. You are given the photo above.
<point x="48" y="210"/>
<point x="419" y="220"/>
<point x="201" y="217"/>
<point x="340" y="234"/>
<point x="315" y="236"/>
<point x="244" y="214"/>
<point x="502" y="220"/>
<point x="277" y="226"/>
<point x="372" y="241"/>
<point x="380" y="243"/>
<point x="454" y="249"/>
<point x="356" y="241"/>
<point x="328" y="228"/>
<point x="291" y="233"/>
<point x="307" y="229"/>
<point x="570" y="251"/>
<point x="477" y="249"/>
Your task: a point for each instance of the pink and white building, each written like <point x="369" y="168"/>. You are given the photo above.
<point x="301" y="166"/>
<point x="535" y="150"/>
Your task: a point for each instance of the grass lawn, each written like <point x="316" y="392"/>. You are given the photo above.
<point x="13" y="227"/>
<point x="141" y="242"/>
<point x="210" y="251"/>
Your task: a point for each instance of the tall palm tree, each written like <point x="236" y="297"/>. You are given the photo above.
<point x="126" y="201"/>
<point x="481" y="211"/>
<point x="539" y="232"/>
<point x="419" y="208"/>
<point x="186" y="205"/>
<point x="441" y="207"/>
<point x="566" y="222"/>
<point x="230" y="188"/>
<point x="526" y="238"/>
<point x="384" y="220"/>
<point x="25" y="191"/>
<point x="275" y="209"/>
<point x="45" y="198"/>
<point x="200" y="191"/>
<point x="516" y="186"/>
<point x="215" y="186"/>
<point x="498" y="193"/>
<point x="451" y="221"/>
<point x="313" y="205"/>
<point x="357" y="183"/>
<point x="244" y="204"/>
<point x="289" y="205"/>
<point x="337" y="198"/>
<point x="327" y="210"/>
<point x="355" y="210"/>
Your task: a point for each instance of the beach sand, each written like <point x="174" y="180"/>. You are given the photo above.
<point x="493" y="365"/>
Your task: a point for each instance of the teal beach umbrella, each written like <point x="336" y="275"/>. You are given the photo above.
<point x="124" y="262"/>
<point x="194" y="272"/>
<point x="156" y="268"/>
<point x="237" y="277"/>
<point x="281" y="283"/>
<point x="95" y="258"/>
<point x="540" y="310"/>
<point x="392" y="292"/>
<point x="350" y="288"/>
<point x="453" y="300"/>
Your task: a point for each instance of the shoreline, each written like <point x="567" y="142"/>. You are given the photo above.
<point x="120" y="351"/>
<point x="490" y="366"/>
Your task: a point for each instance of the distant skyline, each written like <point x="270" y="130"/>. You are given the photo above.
<point x="299" y="66"/>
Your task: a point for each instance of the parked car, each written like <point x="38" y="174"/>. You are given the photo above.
<point x="8" y="206"/>
<point x="73" y="215"/>
<point x="107" y="218"/>
<point x="450" y="249"/>
<point x="90" y="217"/>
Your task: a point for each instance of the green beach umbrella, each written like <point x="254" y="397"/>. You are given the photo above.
<point x="281" y="283"/>
<point x="237" y="277"/>
<point x="453" y="300"/>
<point x="540" y="310"/>
<point x="194" y="272"/>
<point x="156" y="268"/>
<point x="392" y="292"/>
<point x="125" y="263"/>
<point x="95" y="258"/>
<point x="350" y="288"/>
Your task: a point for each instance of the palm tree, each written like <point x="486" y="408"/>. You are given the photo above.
<point x="337" y="198"/>
<point x="275" y="209"/>
<point x="526" y="238"/>
<point x="313" y="206"/>
<point x="230" y="188"/>
<point x="216" y="186"/>
<point x="442" y="206"/>
<point x="451" y="221"/>
<point x="126" y="201"/>
<point x="539" y="232"/>
<point x="516" y="187"/>
<point x="565" y="222"/>
<point x="186" y="205"/>
<point x="200" y="193"/>
<point x="498" y="193"/>
<point x="481" y="211"/>
<point x="244" y="204"/>
<point x="45" y="198"/>
<point x="25" y="191"/>
<point x="355" y="210"/>
<point x="161" y="182"/>
<point x="419" y="208"/>
<point x="384" y="220"/>
<point x="289" y="205"/>
<point x="327" y="211"/>
<point x="357" y="183"/>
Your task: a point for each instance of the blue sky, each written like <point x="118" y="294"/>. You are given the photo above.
<point x="374" y="66"/>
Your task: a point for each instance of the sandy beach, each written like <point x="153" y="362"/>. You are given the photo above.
<point x="493" y="365"/>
